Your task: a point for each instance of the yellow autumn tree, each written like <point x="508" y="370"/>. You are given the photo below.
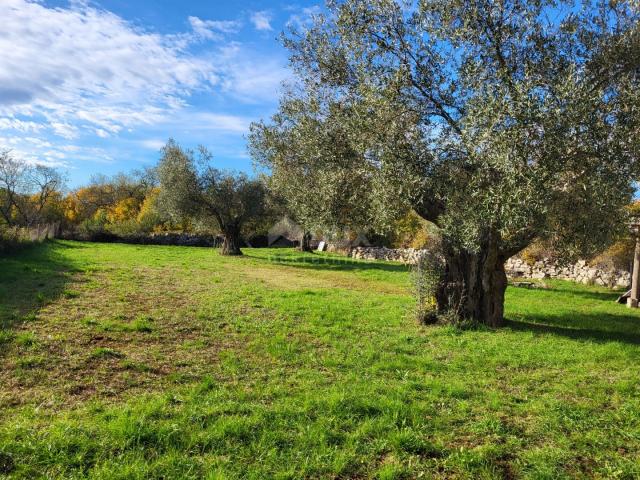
<point x="123" y="210"/>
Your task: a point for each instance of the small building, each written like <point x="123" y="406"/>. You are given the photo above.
<point x="285" y="233"/>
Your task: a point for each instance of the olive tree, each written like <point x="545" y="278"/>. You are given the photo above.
<point x="194" y="188"/>
<point x="499" y="121"/>
<point x="317" y="198"/>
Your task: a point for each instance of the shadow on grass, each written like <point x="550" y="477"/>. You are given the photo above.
<point x="69" y="245"/>
<point x="610" y="296"/>
<point x="596" y="327"/>
<point x="328" y="262"/>
<point x="29" y="279"/>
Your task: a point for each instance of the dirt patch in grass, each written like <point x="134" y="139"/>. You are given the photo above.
<point x="114" y="337"/>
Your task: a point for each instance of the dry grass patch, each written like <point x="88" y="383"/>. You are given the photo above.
<point x="119" y="333"/>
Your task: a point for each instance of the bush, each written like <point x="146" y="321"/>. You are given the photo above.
<point x="410" y="231"/>
<point x="427" y="277"/>
<point x="618" y="256"/>
<point x="535" y="252"/>
<point x="9" y="239"/>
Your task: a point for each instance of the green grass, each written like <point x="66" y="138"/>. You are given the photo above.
<point x="123" y="361"/>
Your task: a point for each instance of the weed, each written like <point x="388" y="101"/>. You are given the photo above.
<point x="26" y="340"/>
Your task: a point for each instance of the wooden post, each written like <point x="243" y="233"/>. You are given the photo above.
<point x="632" y="301"/>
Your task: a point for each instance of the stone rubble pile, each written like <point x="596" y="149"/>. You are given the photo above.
<point x="515" y="267"/>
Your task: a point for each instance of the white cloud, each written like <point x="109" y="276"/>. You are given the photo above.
<point x="64" y="130"/>
<point x="19" y="125"/>
<point x="74" y="75"/>
<point x="152" y="144"/>
<point x="37" y="150"/>
<point x="69" y="148"/>
<point x="220" y="123"/>
<point x="211" y="29"/>
<point x="38" y="142"/>
<point x="34" y="150"/>
<point x="81" y="63"/>
<point x="193" y="123"/>
<point x="248" y="78"/>
<point x="261" y="20"/>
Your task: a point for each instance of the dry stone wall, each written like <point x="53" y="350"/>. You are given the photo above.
<point x="404" y="255"/>
<point x="578" y="272"/>
<point x="516" y="267"/>
<point x="160" y="238"/>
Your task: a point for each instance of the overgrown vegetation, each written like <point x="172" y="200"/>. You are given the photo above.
<point x="427" y="276"/>
<point x="12" y="238"/>
<point x="123" y="361"/>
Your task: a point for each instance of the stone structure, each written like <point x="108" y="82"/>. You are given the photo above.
<point x="579" y="272"/>
<point x="515" y="267"/>
<point x="160" y="238"/>
<point x="285" y="233"/>
<point x="403" y="255"/>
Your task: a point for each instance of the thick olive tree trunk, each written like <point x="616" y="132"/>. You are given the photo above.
<point x="474" y="283"/>
<point x="232" y="241"/>
<point x="305" y="242"/>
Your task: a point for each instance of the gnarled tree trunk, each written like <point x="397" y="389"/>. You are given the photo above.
<point x="474" y="283"/>
<point x="231" y="244"/>
<point x="305" y="242"/>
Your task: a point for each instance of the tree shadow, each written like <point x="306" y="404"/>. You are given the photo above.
<point x="593" y="327"/>
<point x="71" y="245"/>
<point x="609" y="296"/>
<point x="328" y="262"/>
<point x="30" y="279"/>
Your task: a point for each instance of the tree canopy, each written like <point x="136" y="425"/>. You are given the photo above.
<point x="499" y="121"/>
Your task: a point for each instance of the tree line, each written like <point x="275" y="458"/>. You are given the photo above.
<point x="183" y="192"/>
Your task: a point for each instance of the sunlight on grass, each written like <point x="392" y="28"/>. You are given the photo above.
<point x="125" y="361"/>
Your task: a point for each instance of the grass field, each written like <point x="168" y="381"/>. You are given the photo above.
<point x="121" y="361"/>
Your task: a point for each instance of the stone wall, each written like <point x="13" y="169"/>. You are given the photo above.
<point x="404" y="255"/>
<point x="578" y="272"/>
<point x="14" y="238"/>
<point x="160" y="238"/>
<point x="516" y="267"/>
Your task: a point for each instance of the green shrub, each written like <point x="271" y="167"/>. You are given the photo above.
<point x="426" y="276"/>
<point x="411" y="231"/>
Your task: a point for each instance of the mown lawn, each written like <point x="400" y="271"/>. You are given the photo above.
<point x="122" y="361"/>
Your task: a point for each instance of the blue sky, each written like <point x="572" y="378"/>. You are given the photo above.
<point x="98" y="87"/>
